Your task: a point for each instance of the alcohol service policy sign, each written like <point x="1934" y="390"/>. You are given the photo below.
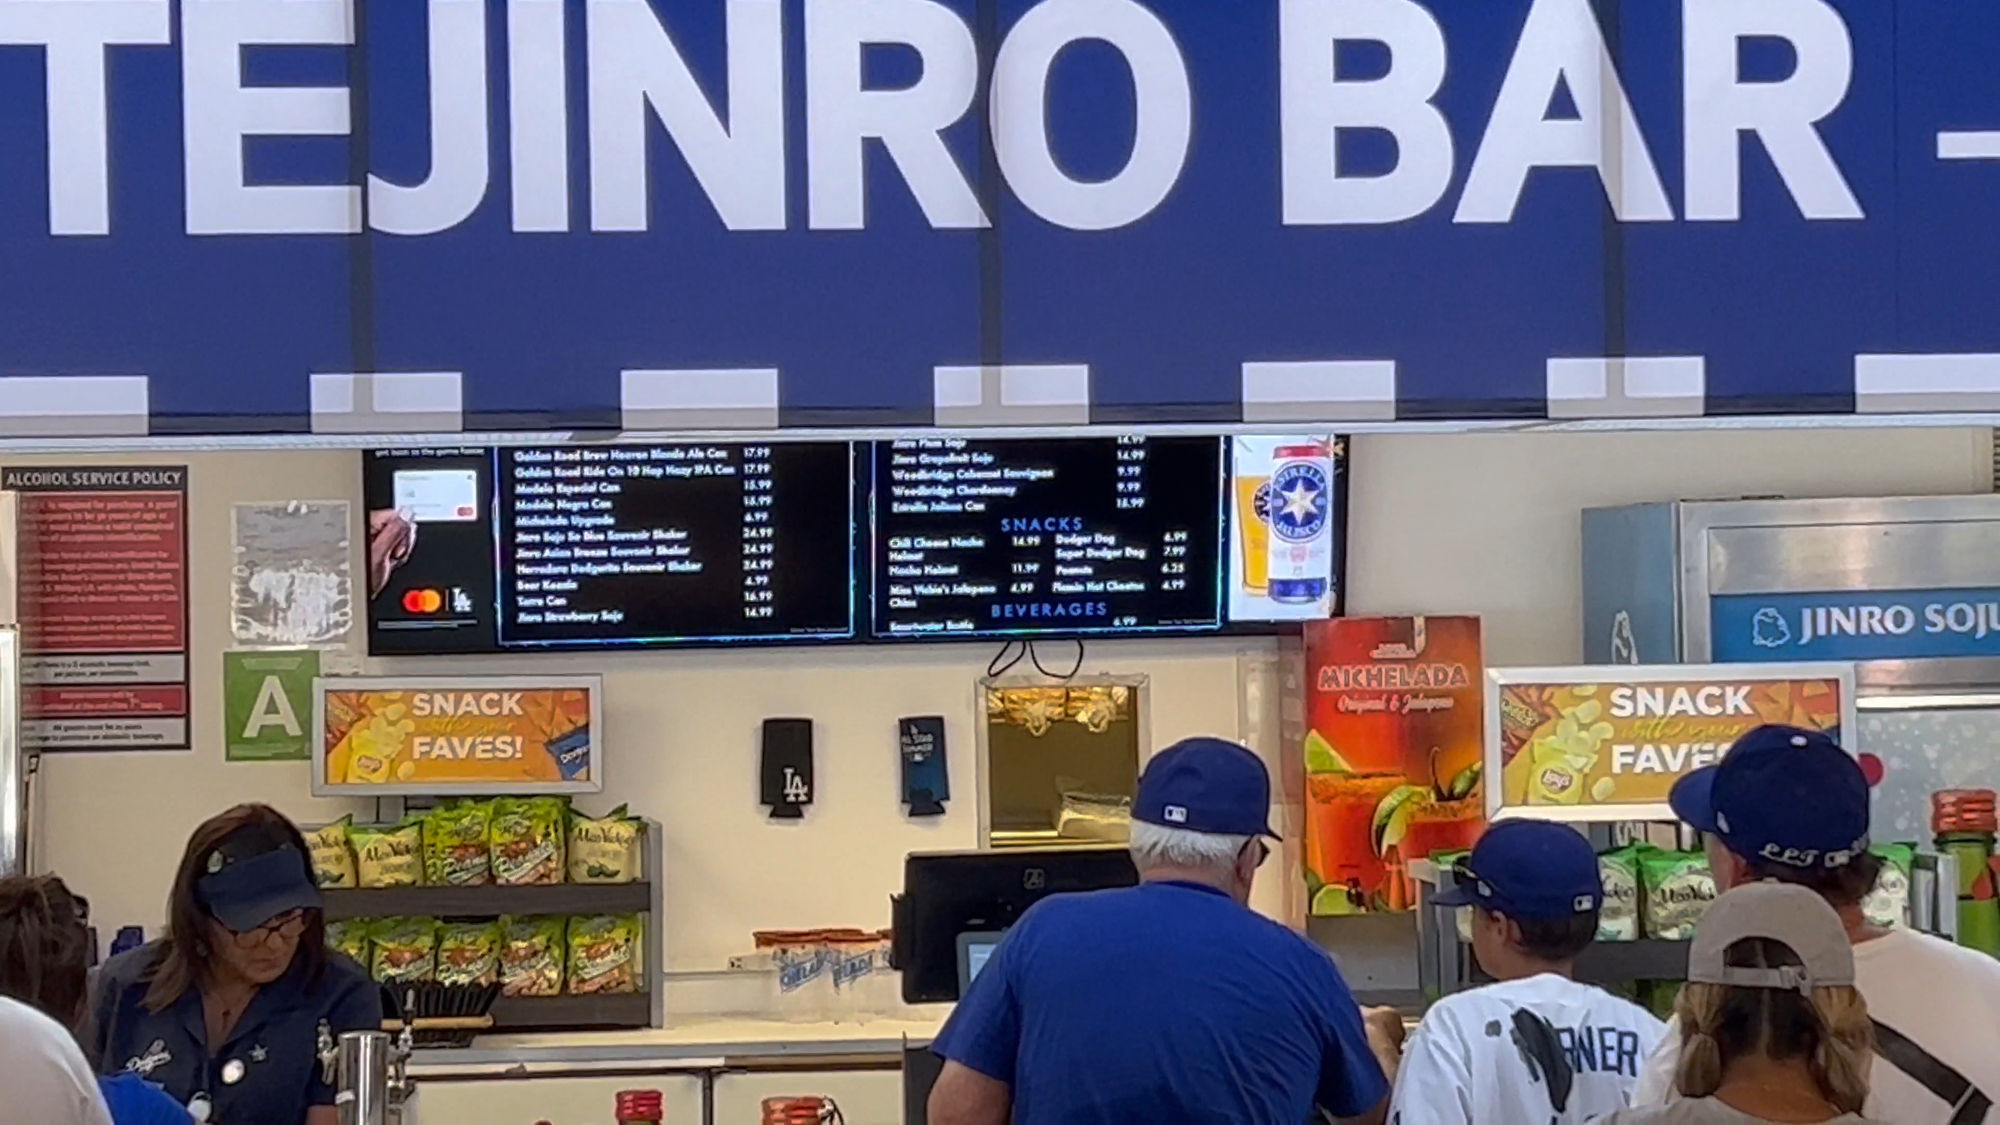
<point x="103" y="605"/>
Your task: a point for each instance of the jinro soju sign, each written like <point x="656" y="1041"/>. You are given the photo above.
<point x="1856" y="625"/>
<point x="458" y="736"/>
<point x="1609" y="743"/>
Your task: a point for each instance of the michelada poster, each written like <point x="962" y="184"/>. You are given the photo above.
<point x="1394" y="736"/>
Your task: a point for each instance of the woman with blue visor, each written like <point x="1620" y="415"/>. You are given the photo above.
<point x="226" y="1011"/>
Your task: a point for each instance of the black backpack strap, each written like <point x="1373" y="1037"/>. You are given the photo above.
<point x="1968" y="1102"/>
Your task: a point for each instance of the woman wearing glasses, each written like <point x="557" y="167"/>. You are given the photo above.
<point x="225" y="1011"/>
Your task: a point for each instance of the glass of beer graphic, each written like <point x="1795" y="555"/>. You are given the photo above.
<point x="1253" y="515"/>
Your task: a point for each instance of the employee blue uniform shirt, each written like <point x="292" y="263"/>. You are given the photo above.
<point x="272" y="1052"/>
<point x="1165" y="1002"/>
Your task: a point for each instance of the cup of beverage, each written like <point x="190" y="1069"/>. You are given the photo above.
<point x="1253" y="516"/>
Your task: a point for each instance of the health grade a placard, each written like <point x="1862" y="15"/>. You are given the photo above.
<point x="1581" y="743"/>
<point x="459" y="736"/>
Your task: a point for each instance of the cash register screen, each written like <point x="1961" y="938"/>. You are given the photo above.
<point x="974" y="950"/>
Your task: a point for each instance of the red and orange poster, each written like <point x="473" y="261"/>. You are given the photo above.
<point x="1393" y="746"/>
<point x="459" y="736"/>
<point x="103" y="606"/>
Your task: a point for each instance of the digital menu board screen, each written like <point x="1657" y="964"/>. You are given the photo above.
<point x="586" y="546"/>
<point x="550" y="547"/>
<point x="1068" y="536"/>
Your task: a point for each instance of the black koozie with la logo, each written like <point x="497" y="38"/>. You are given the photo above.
<point x="787" y="769"/>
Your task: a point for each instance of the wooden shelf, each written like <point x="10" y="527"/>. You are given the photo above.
<point x="486" y="902"/>
<point x="572" y="1013"/>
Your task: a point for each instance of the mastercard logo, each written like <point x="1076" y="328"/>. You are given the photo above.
<point x="423" y="601"/>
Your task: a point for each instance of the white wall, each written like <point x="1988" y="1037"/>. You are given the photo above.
<point x="683" y="731"/>
<point x="1486" y="524"/>
<point x="1490" y="523"/>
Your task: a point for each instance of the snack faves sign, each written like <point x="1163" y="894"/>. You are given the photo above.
<point x="459" y="735"/>
<point x="528" y="214"/>
<point x="1608" y="743"/>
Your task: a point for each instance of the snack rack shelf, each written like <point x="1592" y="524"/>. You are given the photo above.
<point x="575" y="1013"/>
<point x="545" y="1013"/>
<point x="483" y="902"/>
<point x="1445" y="963"/>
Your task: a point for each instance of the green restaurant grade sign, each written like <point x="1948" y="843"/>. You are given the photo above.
<point x="267" y="705"/>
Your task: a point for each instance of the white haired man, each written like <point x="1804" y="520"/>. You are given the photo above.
<point x="1169" y="1001"/>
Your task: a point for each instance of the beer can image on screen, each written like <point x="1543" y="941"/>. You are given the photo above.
<point x="1301" y="536"/>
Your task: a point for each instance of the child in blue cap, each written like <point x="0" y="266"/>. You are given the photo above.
<point x="1534" y="1047"/>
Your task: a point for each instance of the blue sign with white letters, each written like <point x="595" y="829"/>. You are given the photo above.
<point x="1872" y="625"/>
<point x="228" y="216"/>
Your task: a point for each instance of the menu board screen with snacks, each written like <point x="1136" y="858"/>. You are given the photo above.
<point x="1609" y="742"/>
<point x="540" y="548"/>
<point x="1076" y="536"/>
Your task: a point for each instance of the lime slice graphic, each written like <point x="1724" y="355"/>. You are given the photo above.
<point x="1463" y="785"/>
<point x="1321" y="757"/>
<point x="1332" y="902"/>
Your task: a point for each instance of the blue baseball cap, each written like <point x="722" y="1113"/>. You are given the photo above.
<point x="254" y="876"/>
<point x="1530" y="869"/>
<point x="1783" y="795"/>
<point x="1206" y="785"/>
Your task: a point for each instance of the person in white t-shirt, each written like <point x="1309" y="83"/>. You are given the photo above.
<point x="1772" y="1028"/>
<point x="43" y="1075"/>
<point x="1535" y="1048"/>
<point x="1789" y="804"/>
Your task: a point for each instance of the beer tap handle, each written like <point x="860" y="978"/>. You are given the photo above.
<point x="329" y="1053"/>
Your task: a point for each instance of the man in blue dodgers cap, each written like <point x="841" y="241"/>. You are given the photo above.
<point x="1170" y="1001"/>
<point x="1534" y="1047"/>
<point x="1789" y="804"/>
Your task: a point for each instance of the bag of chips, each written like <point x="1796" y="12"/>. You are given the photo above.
<point x="456" y="850"/>
<point x="468" y="952"/>
<point x="603" y="955"/>
<point x="1888" y="905"/>
<point x="332" y="857"/>
<point x="531" y="956"/>
<point x="527" y="841"/>
<point x="405" y="950"/>
<point x="605" y="850"/>
<point x="1658" y="996"/>
<point x="389" y="857"/>
<point x="349" y="938"/>
<point x="1619" y="871"/>
<point x="1678" y="888"/>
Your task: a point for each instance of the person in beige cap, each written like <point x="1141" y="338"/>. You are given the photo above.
<point x="1771" y="1026"/>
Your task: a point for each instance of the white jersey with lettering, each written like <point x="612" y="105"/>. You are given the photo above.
<point x="1534" y="1052"/>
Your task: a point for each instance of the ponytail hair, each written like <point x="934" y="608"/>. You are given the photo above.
<point x="1720" y="1024"/>
<point x="44" y="947"/>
